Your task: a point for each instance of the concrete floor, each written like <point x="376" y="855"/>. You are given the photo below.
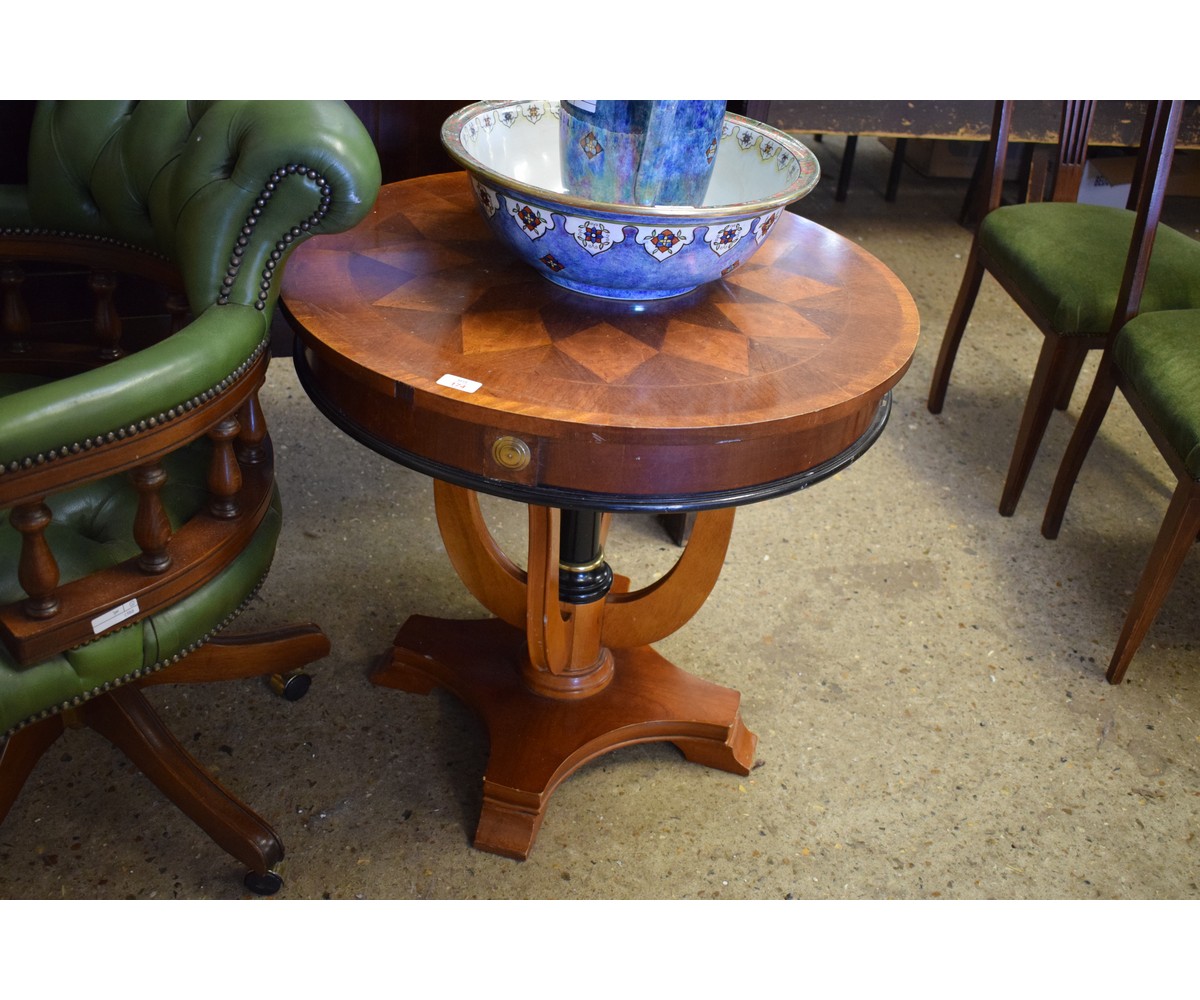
<point x="925" y="677"/>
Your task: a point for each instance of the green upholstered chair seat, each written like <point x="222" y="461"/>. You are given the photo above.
<point x="1159" y="355"/>
<point x="92" y="526"/>
<point x="91" y="530"/>
<point x="28" y="693"/>
<point x="1069" y="259"/>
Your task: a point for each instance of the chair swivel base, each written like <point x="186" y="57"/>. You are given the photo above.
<point x="126" y="719"/>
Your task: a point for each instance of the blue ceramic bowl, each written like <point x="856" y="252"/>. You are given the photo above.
<point x="511" y="151"/>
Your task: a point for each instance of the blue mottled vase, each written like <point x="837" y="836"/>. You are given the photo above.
<point x="640" y="152"/>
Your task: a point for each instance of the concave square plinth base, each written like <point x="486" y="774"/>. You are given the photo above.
<point x="536" y="742"/>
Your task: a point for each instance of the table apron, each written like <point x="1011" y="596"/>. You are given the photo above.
<point x="697" y="471"/>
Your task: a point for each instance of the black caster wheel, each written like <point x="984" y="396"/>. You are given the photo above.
<point x="263" y="885"/>
<point x="292" y="686"/>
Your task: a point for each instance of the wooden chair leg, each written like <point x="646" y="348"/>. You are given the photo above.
<point x="963" y="304"/>
<point x="1070" y="375"/>
<point x="897" y="167"/>
<point x="679" y="526"/>
<point x="249" y="654"/>
<point x="1077" y="448"/>
<point x="847" y="168"/>
<point x="126" y="719"/>
<point x="21" y="753"/>
<point x="1054" y="359"/>
<point x="1175" y="538"/>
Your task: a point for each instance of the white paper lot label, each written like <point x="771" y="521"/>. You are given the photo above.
<point x="115" y="616"/>
<point x="460" y="383"/>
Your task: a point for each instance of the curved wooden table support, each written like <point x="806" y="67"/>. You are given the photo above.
<point x="493" y="579"/>
<point x="422" y="339"/>
<point x="640" y="617"/>
<point x="550" y="688"/>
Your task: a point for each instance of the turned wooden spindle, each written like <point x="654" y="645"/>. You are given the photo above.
<point x="224" y="473"/>
<point x="14" y="314"/>
<point x="37" y="571"/>
<point x="151" y="526"/>
<point x="251" y="442"/>
<point x="177" y="309"/>
<point x="106" y="322"/>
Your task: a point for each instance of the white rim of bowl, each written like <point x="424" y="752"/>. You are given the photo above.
<point x="452" y="140"/>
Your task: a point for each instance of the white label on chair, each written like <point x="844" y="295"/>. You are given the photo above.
<point x="458" y="382"/>
<point x="115" y="616"/>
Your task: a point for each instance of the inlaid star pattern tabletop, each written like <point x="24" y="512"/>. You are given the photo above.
<point x="431" y="292"/>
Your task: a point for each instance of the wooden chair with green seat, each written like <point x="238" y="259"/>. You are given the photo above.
<point x="139" y="507"/>
<point x="1062" y="262"/>
<point x="1154" y="359"/>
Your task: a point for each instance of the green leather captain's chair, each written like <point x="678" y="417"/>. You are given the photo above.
<point x="137" y="483"/>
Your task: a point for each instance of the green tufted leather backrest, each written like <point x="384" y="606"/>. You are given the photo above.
<point x="187" y="179"/>
<point x="222" y="189"/>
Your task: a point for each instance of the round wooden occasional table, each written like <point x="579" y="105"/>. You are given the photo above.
<point x="421" y="338"/>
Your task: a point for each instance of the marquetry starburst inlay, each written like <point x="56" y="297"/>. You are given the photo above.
<point x="757" y="320"/>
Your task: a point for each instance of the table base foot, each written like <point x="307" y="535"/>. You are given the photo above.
<point x="537" y="742"/>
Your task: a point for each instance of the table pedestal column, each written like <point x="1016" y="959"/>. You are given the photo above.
<point x="558" y="682"/>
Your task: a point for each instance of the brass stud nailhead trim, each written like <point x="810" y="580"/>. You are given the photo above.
<point x="120" y="433"/>
<point x="41" y="232"/>
<point x="281" y="246"/>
